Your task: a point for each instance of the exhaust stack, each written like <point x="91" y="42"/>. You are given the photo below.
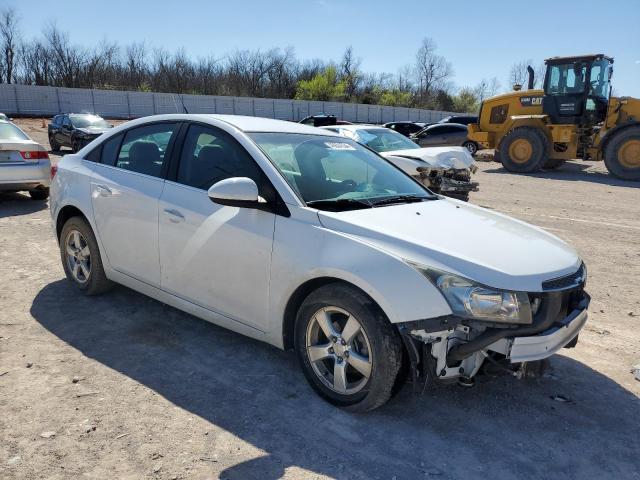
<point x="531" y="77"/>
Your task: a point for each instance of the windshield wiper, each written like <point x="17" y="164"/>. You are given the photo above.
<point x="402" y="199"/>
<point x="339" y="203"/>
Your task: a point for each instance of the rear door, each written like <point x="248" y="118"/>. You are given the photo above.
<point x="216" y="256"/>
<point x="125" y="190"/>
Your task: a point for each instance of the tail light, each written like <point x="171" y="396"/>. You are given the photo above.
<point x="34" y="155"/>
<point x="54" y="170"/>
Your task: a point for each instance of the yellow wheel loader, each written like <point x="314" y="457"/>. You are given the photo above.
<point x="573" y="116"/>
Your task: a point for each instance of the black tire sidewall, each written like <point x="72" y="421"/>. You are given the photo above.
<point x="41" y="193"/>
<point x="97" y="280"/>
<point x="538" y="142"/>
<point x="386" y="349"/>
<point x="475" y="147"/>
<point x="611" y="154"/>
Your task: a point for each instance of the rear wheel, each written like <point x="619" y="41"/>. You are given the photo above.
<point x="40" y="193"/>
<point x="523" y="150"/>
<point x="471" y="146"/>
<point x="349" y="352"/>
<point x="81" y="257"/>
<point x="622" y="154"/>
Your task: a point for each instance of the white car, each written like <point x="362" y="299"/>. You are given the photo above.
<point x="305" y="239"/>
<point x="24" y="164"/>
<point x="445" y="170"/>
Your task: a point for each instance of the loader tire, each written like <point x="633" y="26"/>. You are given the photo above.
<point x="523" y="150"/>
<point x="622" y="154"/>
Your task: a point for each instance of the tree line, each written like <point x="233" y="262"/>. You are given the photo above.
<point x="54" y="60"/>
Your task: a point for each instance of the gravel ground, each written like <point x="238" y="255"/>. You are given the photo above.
<point x="121" y="386"/>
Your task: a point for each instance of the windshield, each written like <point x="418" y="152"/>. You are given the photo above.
<point x="384" y="140"/>
<point x="86" y="121"/>
<point x="9" y="131"/>
<point x="336" y="173"/>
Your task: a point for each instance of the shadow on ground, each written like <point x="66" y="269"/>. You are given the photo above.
<point x="14" y="204"/>
<point x="502" y="428"/>
<point x="575" y="172"/>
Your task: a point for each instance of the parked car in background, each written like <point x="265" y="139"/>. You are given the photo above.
<point x="443" y="170"/>
<point x="24" y="164"/>
<point x="440" y="134"/>
<point x="322" y="119"/>
<point x="310" y="241"/>
<point x="75" y="130"/>
<point x="461" y="119"/>
<point x="406" y="128"/>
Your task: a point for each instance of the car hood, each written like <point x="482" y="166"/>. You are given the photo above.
<point x="479" y="244"/>
<point x="435" y="157"/>
<point x="94" y="130"/>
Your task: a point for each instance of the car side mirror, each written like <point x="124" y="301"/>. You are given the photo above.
<point x="236" y="192"/>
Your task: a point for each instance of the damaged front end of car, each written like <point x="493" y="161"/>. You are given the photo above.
<point x="444" y="170"/>
<point x="496" y="328"/>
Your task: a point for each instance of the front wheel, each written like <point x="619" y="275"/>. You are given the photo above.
<point x="349" y="352"/>
<point x="81" y="257"/>
<point x="622" y="154"/>
<point x="471" y="146"/>
<point x="523" y="150"/>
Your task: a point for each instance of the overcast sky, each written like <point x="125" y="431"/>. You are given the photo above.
<point x="481" y="39"/>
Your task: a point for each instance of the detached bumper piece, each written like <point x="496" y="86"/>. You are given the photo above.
<point x="537" y="347"/>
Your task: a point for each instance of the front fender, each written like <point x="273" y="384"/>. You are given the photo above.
<point x="303" y="252"/>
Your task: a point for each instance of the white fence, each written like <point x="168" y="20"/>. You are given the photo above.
<point x="49" y="101"/>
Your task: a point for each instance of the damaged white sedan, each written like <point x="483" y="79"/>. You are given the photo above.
<point x="445" y="170"/>
<point x="310" y="241"/>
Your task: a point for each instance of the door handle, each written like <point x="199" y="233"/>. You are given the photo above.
<point x="103" y="190"/>
<point x="174" y="215"/>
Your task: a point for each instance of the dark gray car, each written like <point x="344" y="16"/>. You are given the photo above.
<point x="445" y="134"/>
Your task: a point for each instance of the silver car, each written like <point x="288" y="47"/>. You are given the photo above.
<point x="24" y="164"/>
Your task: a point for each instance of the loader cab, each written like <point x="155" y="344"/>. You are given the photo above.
<point x="577" y="89"/>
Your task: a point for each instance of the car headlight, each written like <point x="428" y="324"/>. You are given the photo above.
<point x="471" y="300"/>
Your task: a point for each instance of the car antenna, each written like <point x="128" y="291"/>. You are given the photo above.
<point x="183" y="105"/>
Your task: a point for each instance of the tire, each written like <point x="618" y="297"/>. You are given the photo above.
<point x="528" y="146"/>
<point x="471" y="146"/>
<point x="95" y="281"/>
<point x="376" y="345"/>
<point x="552" y="164"/>
<point x="622" y="154"/>
<point x="53" y="144"/>
<point x="41" y="193"/>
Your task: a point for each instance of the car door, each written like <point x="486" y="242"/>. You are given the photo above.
<point x="218" y="257"/>
<point x="125" y="190"/>
<point x="430" y="137"/>
<point x="63" y="134"/>
<point x="456" y="136"/>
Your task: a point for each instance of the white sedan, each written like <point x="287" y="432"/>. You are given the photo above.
<point x="309" y="241"/>
<point x="445" y="170"/>
<point x="24" y="164"/>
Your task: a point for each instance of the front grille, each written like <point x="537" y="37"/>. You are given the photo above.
<point x="569" y="281"/>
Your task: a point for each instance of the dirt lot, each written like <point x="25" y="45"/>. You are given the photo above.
<point x="121" y="386"/>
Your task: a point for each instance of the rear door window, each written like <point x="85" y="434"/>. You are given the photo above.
<point x="145" y="149"/>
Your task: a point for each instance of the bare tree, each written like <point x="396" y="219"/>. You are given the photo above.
<point x="9" y="38"/>
<point x="433" y="70"/>
<point x="350" y="72"/>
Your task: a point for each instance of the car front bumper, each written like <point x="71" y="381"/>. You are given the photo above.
<point x="544" y="344"/>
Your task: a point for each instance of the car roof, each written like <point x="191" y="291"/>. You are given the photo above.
<point x="452" y="124"/>
<point x="355" y="128"/>
<point x="241" y="122"/>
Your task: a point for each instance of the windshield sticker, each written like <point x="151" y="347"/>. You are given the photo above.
<point x="339" y="146"/>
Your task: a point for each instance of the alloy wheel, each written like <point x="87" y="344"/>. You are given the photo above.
<point x="339" y="350"/>
<point x="78" y="256"/>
